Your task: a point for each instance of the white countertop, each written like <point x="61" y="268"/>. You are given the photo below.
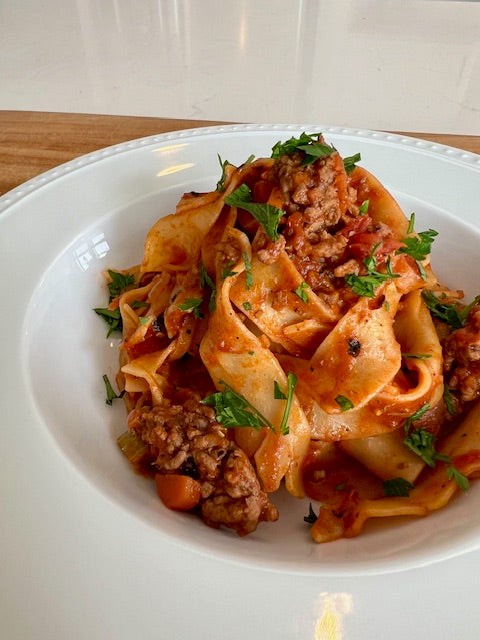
<point x="412" y="65"/>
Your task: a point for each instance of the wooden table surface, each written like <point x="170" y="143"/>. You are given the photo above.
<point x="32" y="142"/>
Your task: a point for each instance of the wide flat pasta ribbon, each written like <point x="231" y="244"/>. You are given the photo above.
<point x="422" y="356"/>
<point x="336" y="371"/>
<point x="282" y="307"/>
<point x="434" y="491"/>
<point x="235" y="356"/>
<point x="146" y="367"/>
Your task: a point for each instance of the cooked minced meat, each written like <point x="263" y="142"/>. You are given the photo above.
<point x="186" y="439"/>
<point x="462" y="358"/>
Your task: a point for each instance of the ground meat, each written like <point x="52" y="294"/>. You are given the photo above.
<point x="462" y="358"/>
<point x="187" y="439"/>
<point x="318" y="203"/>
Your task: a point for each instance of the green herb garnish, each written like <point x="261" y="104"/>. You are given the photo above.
<point x="350" y="163"/>
<point x="266" y="214"/>
<point x="301" y="291"/>
<point x="308" y="143"/>
<point x="223" y="166"/>
<point x="397" y="487"/>
<point x="311" y="518"/>
<point x="344" y="403"/>
<point x="206" y="281"/>
<point x="227" y="272"/>
<point x="363" y="208"/>
<point x="113" y="318"/>
<point x="460" y="479"/>
<point x="417" y="356"/>
<point x="365" y="285"/>
<point x="111" y="394"/>
<point x="422" y="442"/>
<point x="448" y="399"/>
<point x="120" y="281"/>
<point x="248" y="271"/>
<point x="278" y="394"/>
<point x="234" y="410"/>
<point x="191" y="304"/>
<point x="455" y="315"/>
<point x="139" y="304"/>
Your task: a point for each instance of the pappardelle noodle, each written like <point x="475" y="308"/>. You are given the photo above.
<point x="287" y="328"/>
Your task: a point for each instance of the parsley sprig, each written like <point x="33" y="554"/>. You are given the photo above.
<point x="117" y="285"/>
<point x="365" y="285"/>
<point x="454" y="315"/>
<point x="111" y="394"/>
<point x="308" y="143"/>
<point x="193" y="305"/>
<point x="344" y="403"/>
<point x="206" y="281"/>
<point x="232" y="409"/>
<point x="223" y="165"/>
<point x="418" y="246"/>
<point x="301" y="291"/>
<point x="266" y="214"/>
<point x="422" y="443"/>
<point x="112" y="317"/>
<point x="397" y="487"/>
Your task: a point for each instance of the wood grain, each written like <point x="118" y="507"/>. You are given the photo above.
<point x="32" y="142"/>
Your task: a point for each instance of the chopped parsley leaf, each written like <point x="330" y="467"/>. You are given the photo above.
<point x="266" y="214"/>
<point x="411" y="224"/>
<point x="311" y="518"/>
<point x="417" y="356"/>
<point x="223" y="166"/>
<point x="419" y="246"/>
<point x="460" y="479"/>
<point x="344" y="403"/>
<point x="308" y="143"/>
<point x="365" y="285"/>
<point x="350" y="163"/>
<point x="111" y="394"/>
<point x="206" y="281"/>
<point x="291" y="384"/>
<point x="191" y="304"/>
<point x="139" y="304"/>
<point x="112" y="317"/>
<point x="448" y="399"/>
<point x="277" y="392"/>
<point x="247" y="306"/>
<point x="248" y="271"/>
<point x="397" y="487"/>
<point x="227" y="272"/>
<point x="454" y="315"/>
<point x="301" y="291"/>
<point x="119" y="282"/>
<point x="234" y="410"/>
<point x="419" y="413"/>
<point x="422" y="442"/>
<point x="363" y="209"/>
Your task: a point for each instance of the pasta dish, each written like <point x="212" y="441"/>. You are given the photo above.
<point x="287" y="328"/>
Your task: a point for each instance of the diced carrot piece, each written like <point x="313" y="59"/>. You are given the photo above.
<point x="178" y="492"/>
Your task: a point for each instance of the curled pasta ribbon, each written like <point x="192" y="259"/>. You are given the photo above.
<point x="347" y="518"/>
<point x="234" y="355"/>
<point x="296" y="323"/>
<point x="389" y="397"/>
<point x="333" y="372"/>
<point x="146" y="367"/>
<point x="422" y="356"/>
